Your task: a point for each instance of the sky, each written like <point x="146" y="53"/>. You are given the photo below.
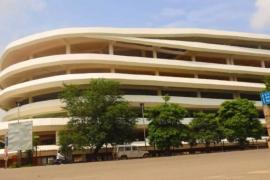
<point x="19" y="18"/>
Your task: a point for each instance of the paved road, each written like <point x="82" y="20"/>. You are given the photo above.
<point x="240" y="165"/>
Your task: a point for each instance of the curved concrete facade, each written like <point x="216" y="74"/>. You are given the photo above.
<point x="198" y="68"/>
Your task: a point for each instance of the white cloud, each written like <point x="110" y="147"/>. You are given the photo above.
<point x="261" y="18"/>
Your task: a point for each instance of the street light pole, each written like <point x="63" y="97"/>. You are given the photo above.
<point x="19" y="152"/>
<point x="144" y="129"/>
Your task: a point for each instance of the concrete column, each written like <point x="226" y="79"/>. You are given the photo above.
<point x="196" y="75"/>
<point x="232" y="61"/>
<point x="199" y="94"/>
<point x="228" y="60"/>
<point x="157" y="73"/>
<point x="30" y="99"/>
<point x="111" y="48"/>
<point x="231" y="78"/>
<point x="68" y="48"/>
<point x="112" y="70"/>
<point x="236" y="95"/>
<point x="57" y="137"/>
<point x="155" y="53"/>
<point x="31" y="56"/>
<point x="262" y="64"/>
<point x="159" y="92"/>
<point x="143" y="53"/>
<point x="193" y="58"/>
<point x="68" y="71"/>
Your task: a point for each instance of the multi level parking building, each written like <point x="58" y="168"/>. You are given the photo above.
<point x="198" y="68"/>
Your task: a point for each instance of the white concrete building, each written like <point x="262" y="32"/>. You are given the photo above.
<point x="198" y="68"/>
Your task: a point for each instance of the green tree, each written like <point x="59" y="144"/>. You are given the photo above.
<point x="99" y="115"/>
<point x="206" y="128"/>
<point x="267" y="83"/>
<point x="66" y="140"/>
<point x="239" y="118"/>
<point x="191" y="137"/>
<point x="166" y="129"/>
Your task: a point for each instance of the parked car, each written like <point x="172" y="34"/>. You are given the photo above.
<point x="129" y="151"/>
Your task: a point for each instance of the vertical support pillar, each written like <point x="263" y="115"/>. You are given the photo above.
<point x="68" y="48"/>
<point x="157" y="73"/>
<point x="57" y="137"/>
<point x="193" y="58"/>
<point x="143" y="53"/>
<point x="232" y="61"/>
<point x="159" y="92"/>
<point x="68" y="71"/>
<point x="199" y="94"/>
<point x="228" y="60"/>
<point x="111" y="48"/>
<point x="112" y="70"/>
<point x="196" y="75"/>
<point x="155" y="53"/>
<point x="30" y="99"/>
<point x="236" y="95"/>
<point x="262" y="64"/>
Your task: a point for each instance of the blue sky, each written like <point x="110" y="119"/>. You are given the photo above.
<point x="23" y="17"/>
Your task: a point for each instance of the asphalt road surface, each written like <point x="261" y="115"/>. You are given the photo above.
<point x="243" y="165"/>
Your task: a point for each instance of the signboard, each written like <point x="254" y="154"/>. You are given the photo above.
<point x="265" y="98"/>
<point x="20" y="136"/>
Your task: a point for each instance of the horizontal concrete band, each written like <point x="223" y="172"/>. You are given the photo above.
<point x="23" y="89"/>
<point x="116" y="60"/>
<point x="135" y="32"/>
<point x="56" y="124"/>
<point x="192" y="46"/>
<point x="39" y="124"/>
<point x="55" y="106"/>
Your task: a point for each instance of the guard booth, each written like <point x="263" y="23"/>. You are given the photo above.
<point x="265" y="98"/>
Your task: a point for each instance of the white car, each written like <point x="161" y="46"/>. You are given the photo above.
<point x="129" y="151"/>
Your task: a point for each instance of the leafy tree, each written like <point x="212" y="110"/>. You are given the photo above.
<point x="206" y="128"/>
<point x="99" y="115"/>
<point x="166" y="129"/>
<point x="267" y="83"/>
<point x="66" y="140"/>
<point x="191" y="137"/>
<point x="240" y="120"/>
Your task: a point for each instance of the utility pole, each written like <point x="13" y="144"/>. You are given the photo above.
<point x="6" y="151"/>
<point x="19" y="152"/>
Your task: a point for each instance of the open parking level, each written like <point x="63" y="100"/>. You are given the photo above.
<point x="246" y="165"/>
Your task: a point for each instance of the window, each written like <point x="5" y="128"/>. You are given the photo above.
<point x="128" y="148"/>
<point x="121" y="149"/>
